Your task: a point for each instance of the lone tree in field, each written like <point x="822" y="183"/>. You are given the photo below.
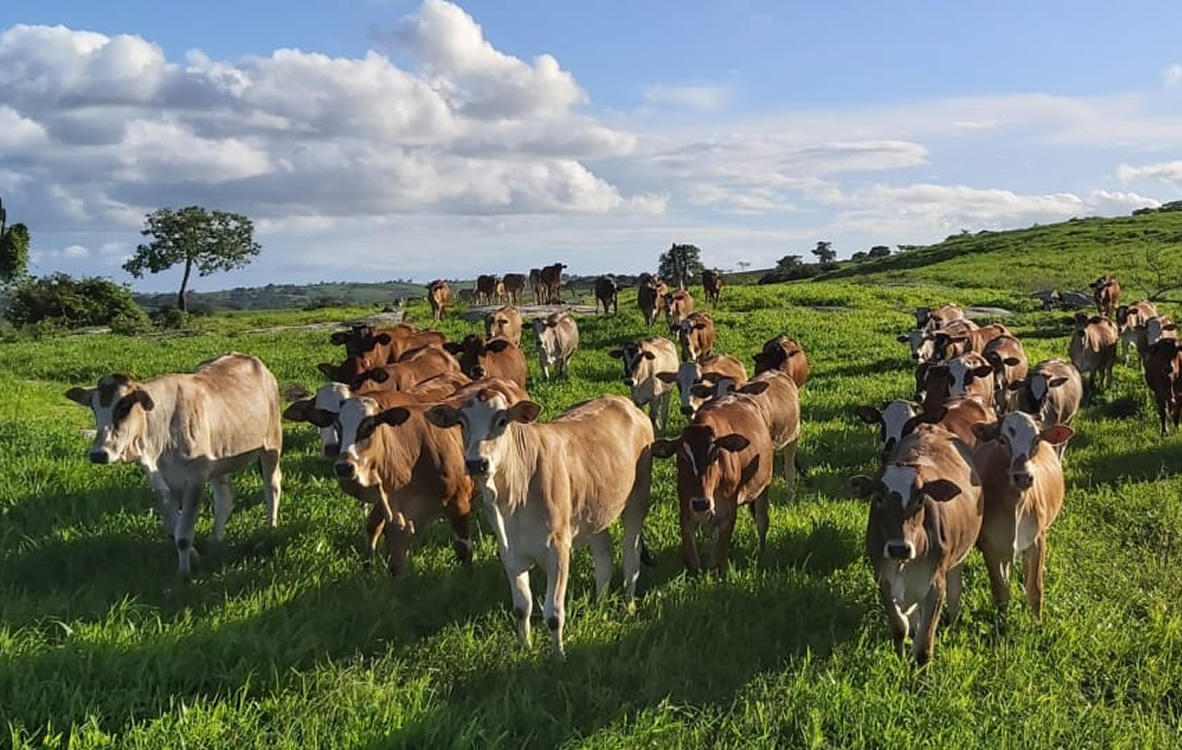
<point x="825" y="253"/>
<point x="680" y="263"/>
<point x="14" y="249"/>
<point x="211" y="241"/>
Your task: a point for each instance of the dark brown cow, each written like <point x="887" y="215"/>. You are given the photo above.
<point x="711" y="285"/>
<point x="552" y="279"/>
<point x="535" y="284"/>
<point x="489" y="358"/>
<point x="1163" y="375"/>
<point x="696" y="335"/>
<point x="514" y="284"/>
<point x="678" y="305"/>
<point x="925" y="515"/>
<point x="648" y="297"/>
<point x="486" y="288"/>
<point x="607" y="294"/>
<point x="783" y="353"/>
<point x="1106" y="294"/>
<point x="504" y="322"/>
<point x="1093" y="349"/>
<point x="439" y="296"/>
<point x="724" y="460"/>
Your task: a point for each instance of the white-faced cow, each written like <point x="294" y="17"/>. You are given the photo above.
<point x="696" y="335"/>
<point x="1052" y="393"/>
<point x="187" y="430"/>
<point x="690" y="374"/>
<point x="557" y="338"/>
<point x="642" y="360"/>
<point x="899" y="418"/>
<point x="504" y="322"/>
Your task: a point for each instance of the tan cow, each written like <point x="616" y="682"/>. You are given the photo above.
<point x="1129" y="318"/>
<point x="947" y="345"/>
<point x="966" y="375"/>
<point x="776" y="396"/>
<point x="1052" y="392"/>
<point x="900" y="418"/>
<point x="724" y="461"/>
<point x="711" y="285"/>
<point x="504" y="322"/>
<point x="486" y="288"/>
<point x="416" y="366"/>
<point x="489" y="358"/>
<point x="1163" y="375"/>
<point x="925" y="515"/>
<point x="783" y="353"/>
<point x="923" y="344"/>
<point x="541" y="295"/>
<point x="1093" y="349"/>
<point x="1008" y="360"/>
<point x="934" y="319"/>
<point x="514" y="285"/>
<point x="556" y="485"/>
<point x="439" y="297"/>
<point x="378" y="346"/>
<point x="696" y="335"/>
<point x="1106" y="294"/>
<point x="678" y="305"/>
<point x="690" y="374"/>
<point x="186" y="430"/>
<point x="557" y="338"/>
<point x="1023" y="483"/>
<point x="642" y="360"/>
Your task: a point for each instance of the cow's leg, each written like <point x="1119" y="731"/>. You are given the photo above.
<point x="272" y="484"/>
<point x="397" y="546"/>
<point x="725" y="523"/>
<point x="790" y="469"/>
<point x="929" y="622"/>
<point x="554" y="610"/>
<point x="1034" y="560"/>
<point x="997" y="564"/>
<point x="601" y="556"/>
<point x="492" y="514"/>
<point x="759" y="512"/>
<point x="518" y="573"/>
<point x="897" y="622"/>
<point x="223" y="505"/>
<point x="190" y="501"/>
<point x="955" y="584"/>
<point x="168" y="502"/>
<point x="634" y="514"/>
<point x="689" y="545"/>
<point x="375" y="523"/>
<point x="461" y="530"/>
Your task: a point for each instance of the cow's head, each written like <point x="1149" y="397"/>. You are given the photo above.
<point x="691" y="344"/>
<point x="359" y="418"/>
<point x="483" y="420"/>
<point x="891" y="422"/>
<point x="688" y="375"/>
<point x="963" y="370"/>
<point x="497" y="323"/>
<point x="1158" y="328"/>
<point x="632" y="356"/>
<point x="915" y="339"/>
<point x="898" y="504"/>
<point x="776" y="354"/>
<point x="1000" y="366"/>
<point x="323" y="411"/>
<point x="120" y="406"/>
<point x="472" y="352"/>
<point x="1021" y="437"/>
<point x="698" y="451"/>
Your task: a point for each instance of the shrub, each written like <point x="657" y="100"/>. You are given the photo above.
<point x="61" y="301"/>
<point x="130" y="325"/>
<point x="170" y="318"/>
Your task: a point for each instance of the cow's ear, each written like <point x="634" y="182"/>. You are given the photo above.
<point x="524" y="411"/>
<point x="141" y="397"/>
<point x="903" y="338"/>
<point x="327" y="370"/>
<point x="667" y="377"/>
<point x="986" y="430"/>
<point x="1057" y="434"/>
<point x="378" y="374"/>
<point x="868" y="414"/>
<point x="616" y="354"/>
<point x="320" y="417"/>
<point x="733" y="442"/>
<point x="665" y="448"/>
<point x="452" y="347"/>
<point x="497" y="345"/>
<point x="80" y="395"/>
<point x="754" y="389"/>
<point x="861" y="485"/>
<point x="983" y="371"/>
<point x="941" y="490"/>
<point x="443" y="416"/>
<point x="701" y="390"/>
<point x="340" y="338"/>
<point x="297" y="411"/>
<point x="393" y="417"/>
<point x="383" y="338"/>
<point x="649" y="355"/>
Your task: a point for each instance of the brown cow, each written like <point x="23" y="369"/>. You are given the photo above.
<point x="1163" y="375"/>
<point x="1023" y="488"/>
<point x="486" y="288"/>
<point x="514" y="284"/>
<point x="947" y="345"/>
<point x="678" y="305"/>
<point x="551" y="278"/>
<point x="1093" y="349"/>
<point x="643" y="359"/>
<point x="696" y="335"/>
<point x="1008" y="360"/>
<point x="711" y="285"/>
<point x="439" y="296"/>
<point x="933" y="319"/>
<point x="361" y="338"/>
<point x="607" y="293"/>
<point x="556" y="485"/>
<point x="923" y="343"/>
<point x="1052" y="393"/>
<point x="1129" y="318"/>
<point x="557" y="338"/>
<point x="689" y="374"/>
<point x="960" y="377"/>
<point x="925" y="515"/>
<point x="900" y="418"/>
<point x="777" y="397"/>
<point x="539" y="289"/>
<point x="649" y="297"/>
<point x="418" y="365"/>
<point x="724" y="461"/>
<point x="489" y="358"/>
<point x="783" y="353"/>
<point x="1106" y="294"/>
<point x="504" y="322"/>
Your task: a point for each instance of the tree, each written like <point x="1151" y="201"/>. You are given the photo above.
<point x="744" y="265"/>
<point x="14" y="249"/>
<point x="879" y="251"/>
<point x="825" y="253"/>
<point x="62" y="300"/>
<point x="860" y="255"/>
<point x="789" y="262"/>
<point x="680" y="263"/>
<point x="211" y="241"/>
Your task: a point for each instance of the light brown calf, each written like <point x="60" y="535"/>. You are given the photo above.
<point x="1093" y="349"/>
<point x="696" y="335"/>
<point x="489" y="358"/>
<point x="1130" y="318"/>
<point x="642" y="360"/>
<point x="1051" y="393"/>
<point x="557" y="338"/>
<point x="1106" y="293"/>
<point x="1008" y="360"/>
<point x="690" y="374"/>
<point x="439" y="297"/>
<point x="678" y="304"/>
<point x="783" y="353"/>
<point x="504" y="322"/>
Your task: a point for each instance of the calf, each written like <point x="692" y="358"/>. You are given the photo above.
<point x="514" y="285"/>
<point x="649" y="297"/>
<point x="1106" y="293"/>
<point x="1007" y="359"/>
<point x="696" y="335"/>
<point x="967" y="375"/>
<point x="678" y="305"/>
<point x="690" y="374"/>
<point x="1093" y="349"/>
<point x="1163" y="375"/>
<point x="1023" y="489"/>
<point x="926" y="346"/>
<point x="439" y="297"/>
<point x="489" y="358"/>
<point x="541" y="296"/>
<point x="947" y="345"/>
<point x="486" y="288"/>
<point x="1130" y="318"/>
<point x="555" y="485"/>
<point x="936" y="318"/>
<point x="417" y="366"/>
<point x="557" y="338"/>
<point x="377" y="346"/>
<point x="607" y="293"/>
<point x="711" y="285"/>
<point x="900" y="418"/>
<point x="775" y="395"/>
<point x="724" y="461"/>
<point x="505" y="323"/>
<point x="186" y="430"/>
<point x="925" y="515"/>
<point x="1052" y="392"/>
<point x="783" y="353"/>
<point x="643" y="359"/>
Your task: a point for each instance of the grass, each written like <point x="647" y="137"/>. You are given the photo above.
<point x="284" y="640"/>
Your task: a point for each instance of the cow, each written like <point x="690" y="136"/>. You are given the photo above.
<point x="541" y="296"/>
<point x="724" y="461"/>
<point x="1007" y="358"/>
<point x="1092" y="348"/>
<point x="689" y="374"/>
<point x="786" y="354"/>
<point x="922" y="343"/>
<point x="678" y="305"/>
<point x="514" y="285"/>
<point x="1052" y="393"/>
<point x="649" y="297"/>
<point x="486" y="288"/>
<point x="557" y="338"/>
<point x="711" y="285"/>
<point x="1158" y="328"/>
<point x="642" y="360"/>
<point x="1130" y="318"/>
<point x="361" y="338"/>
<point x="607" y="293"/>
<point x="777" y="397"/>
<point x="1023" y="488"/>
<point x="966" y="375"/>
<point x="933" y="319"/>
<point x="504" y="322"/>
<point x="946" y="345"/>
<point x="186" y="430"/>
<point x="899" y="419"/>
<point x="439" y="297"/>
<point x="555" y="485"/>
<point x="1163" y="375"/>
<point x="489" y="358"/>
<point x="551" y="278"/>
<point x="415" y="366"/>
<point x="696" y="335"/>
<point x="1106" y="294"/>
<point x="925" y="516"/>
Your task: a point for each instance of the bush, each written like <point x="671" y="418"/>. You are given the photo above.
<point x="170" y="318"/>
<point x="130" y="325"/>
<point x="61" y="301"/>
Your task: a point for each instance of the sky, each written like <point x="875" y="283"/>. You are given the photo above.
<point x="388" y="139"/>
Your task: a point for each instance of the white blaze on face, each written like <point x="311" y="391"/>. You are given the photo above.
<point x="894" y="416"/>
<point x="330" y="397"/>
<point x="118" y="422"/>
<point x="927" y="347"/>
<point x="482" y="423"/>
<point x="915" y="341"/>
<point x="1019" y="431"/>
<point x="688" y="375"/>
<point x="959" y="371"/>
<point x="901" y="480"/>
<point x="352" y="412"/>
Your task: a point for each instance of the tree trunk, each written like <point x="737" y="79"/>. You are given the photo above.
<point x="180" y="298"/>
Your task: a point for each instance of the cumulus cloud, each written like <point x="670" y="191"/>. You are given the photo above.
<point x="699" y="98"/>
<point x="1171" y="76"/>
<point x="1170" y="171"/>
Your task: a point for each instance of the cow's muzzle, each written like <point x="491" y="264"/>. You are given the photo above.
<point x="100" y="457"/>
<point x="1023" y="480"/>
<point x="344" y="469"/>
<point x="332" y="450"/>
<point x="700" y="504"/>
<point x="476" y="466"/>
<point x="687" y="411"/>
<point x="899" y="550"/>
<point x="477" y="372"/>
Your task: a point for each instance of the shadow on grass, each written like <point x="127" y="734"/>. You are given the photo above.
<point x="1140" y="465"/>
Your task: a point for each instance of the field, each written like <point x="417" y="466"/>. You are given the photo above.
<point x="283" y="639"/>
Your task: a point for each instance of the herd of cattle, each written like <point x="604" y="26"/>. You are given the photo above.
<point x="416" y="427"/>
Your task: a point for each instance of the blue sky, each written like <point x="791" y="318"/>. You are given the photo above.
<point x="402" y="139"/>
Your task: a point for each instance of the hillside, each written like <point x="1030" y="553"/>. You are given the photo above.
<point x="1144" y="251"/>
<point x="289" y="296"/>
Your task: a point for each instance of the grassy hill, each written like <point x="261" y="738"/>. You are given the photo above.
<point x="290" y="296"/>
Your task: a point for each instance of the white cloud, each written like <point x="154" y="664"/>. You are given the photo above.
<point x="75" y="252"/>
<point x="698" y="98"/>
<point x="1171" y="76"/>
<point x="1170" y="171"/>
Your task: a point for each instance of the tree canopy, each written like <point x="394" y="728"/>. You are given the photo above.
<point x="825" y="253"/>
<point x="680" y="263"/>
<point x="209" y="241"/>
<point x="14" y="249"/>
